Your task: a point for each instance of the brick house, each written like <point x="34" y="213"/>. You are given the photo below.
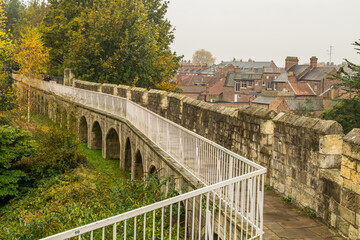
<point x="244" y="83"/>
<point x="306" y="81"/>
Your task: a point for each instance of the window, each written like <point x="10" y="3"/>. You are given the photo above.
<point x="243" y="84"/>
<point x="315" y="87"/>
<point x="256" y="83"/>
<point x="263" y="83"/>
<point x="250" y="84"/>
<point x="269" y="85"/>
<point x="267" y="77"/>
<point x="237" y="86"/>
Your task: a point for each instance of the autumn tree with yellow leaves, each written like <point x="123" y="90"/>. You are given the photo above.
<point x="32" y="57"/>
<point x="6" y="46"/>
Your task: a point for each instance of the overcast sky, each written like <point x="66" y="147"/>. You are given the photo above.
<point x="266" y="29"/>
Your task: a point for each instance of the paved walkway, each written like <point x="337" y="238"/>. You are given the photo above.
<point x="284" y="221"/>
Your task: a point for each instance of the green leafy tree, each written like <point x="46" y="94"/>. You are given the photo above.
<point x="14" y="146"/>
<point x="347" y="111"/>
<point x="121" y="42"/>
<point x="14" y="11"/>
<point x="202" y="57"/>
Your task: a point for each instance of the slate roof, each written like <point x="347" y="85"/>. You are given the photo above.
<point x="232" y="76"/>
<point x="315" y="104"/>
<point x="317" y="74"/>
<point x="282" y="78"/>
<point x="298" y="69"/>
<point x="264" y="100"/>
<point x="209" y="71"/>
<point x="247" y="64"/>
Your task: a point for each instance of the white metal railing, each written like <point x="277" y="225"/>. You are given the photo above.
<point x="207" y="161"/>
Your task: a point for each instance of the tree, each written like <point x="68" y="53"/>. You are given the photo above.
<point x="347" y="111"/>
<point x="14" y="146"/>
<point x="120" y="42"/>
<point x="350" y="80"/>
<point x="202" y="57"/>
<point x="32" y="57"/>
<point x="14" y="10"/>
<point x="6" y="48"/>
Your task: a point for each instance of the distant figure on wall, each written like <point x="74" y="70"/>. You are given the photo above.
<point x="47" y="78"/>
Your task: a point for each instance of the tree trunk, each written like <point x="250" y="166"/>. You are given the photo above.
<point x="28" y="100"/>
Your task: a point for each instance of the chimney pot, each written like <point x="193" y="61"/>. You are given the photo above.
<point x="291" y="61"/>
<point x="313" y="62"/>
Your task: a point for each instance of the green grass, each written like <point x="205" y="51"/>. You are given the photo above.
<point x="109" y="167"/>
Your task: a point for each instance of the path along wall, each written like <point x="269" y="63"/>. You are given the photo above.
<point x="309" y="160"/>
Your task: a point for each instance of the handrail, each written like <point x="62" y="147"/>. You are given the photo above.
<point x="231" y="180"/>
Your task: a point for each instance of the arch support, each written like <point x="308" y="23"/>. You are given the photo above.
<point x="139" y="169"/>
<point x="83" y="130"/>
<point x="112" y="145"/>
<point x="96" y="136"/>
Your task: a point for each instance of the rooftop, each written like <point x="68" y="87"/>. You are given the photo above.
<point x="232" y="76"/>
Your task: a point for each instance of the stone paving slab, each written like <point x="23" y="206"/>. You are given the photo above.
<point x="283" y="221"/>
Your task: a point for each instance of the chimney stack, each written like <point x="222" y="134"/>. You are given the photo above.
<point x="313" y="62"/>
<point x="291" y="61"/>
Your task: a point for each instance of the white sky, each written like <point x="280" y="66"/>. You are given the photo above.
<point x="266" y="29"/>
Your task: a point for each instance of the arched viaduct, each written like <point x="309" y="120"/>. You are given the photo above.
<point x="116" y="137"/>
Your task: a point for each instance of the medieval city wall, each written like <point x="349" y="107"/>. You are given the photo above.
<point x="308" y="160"/>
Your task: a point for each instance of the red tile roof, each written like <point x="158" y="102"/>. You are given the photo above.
<point x="302" y="89"/>
<point x="217" y="88"/>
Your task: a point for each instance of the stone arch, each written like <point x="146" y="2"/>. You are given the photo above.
<point x="83" y="129"/>
<point x="64" y="118"/>
<point x="112" y="144"/>
<point x="72" y="122"/>
<point x="152" y="170"/>
<point x="46" y="107"/>
<point x="57" y="114"/>
<point x="96" y="136"/>
<point x="139" y="169"/>
<point x="128" y="157"/>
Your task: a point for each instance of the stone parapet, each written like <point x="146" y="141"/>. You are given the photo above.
<point x="158" y="102"/>
<point x="91" y="86"/>
<point x="109" y="88"/>
<point x="348" y="220"/>
<point x="139" y="96"/>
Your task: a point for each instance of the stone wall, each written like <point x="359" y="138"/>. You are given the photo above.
<point x="348" y="219"/>
<point x="307" y="159"/>
<point x="302" y="148"/>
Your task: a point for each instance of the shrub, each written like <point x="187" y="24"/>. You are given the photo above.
<point x="57" y="151"/>
<point x="14" y="146"/>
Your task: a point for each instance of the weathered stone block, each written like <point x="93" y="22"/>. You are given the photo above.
<point x="329" y="161"/>
<point x="331" y="144"/>
<point x="347" y="214"/>
<point x="348" y="162"/>
<point x="327" y="127"/>
<point x="350" y="199"/>
<point x="346" y="172"/>
<point x="342" y="225"/>
<point x="354" y="234"/>
<point x="332" y="175"/>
